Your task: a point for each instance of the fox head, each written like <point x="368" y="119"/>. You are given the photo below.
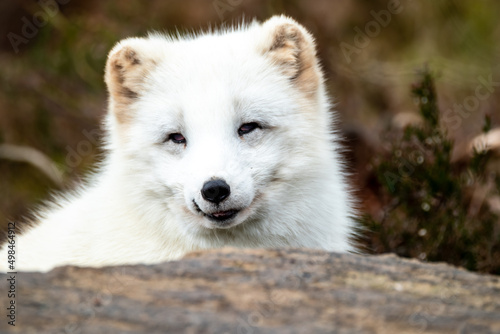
<point x="222" y="129"/>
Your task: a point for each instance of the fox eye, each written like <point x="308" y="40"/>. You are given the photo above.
<point x="247" y="128"/>
<point x="177" y="138"/>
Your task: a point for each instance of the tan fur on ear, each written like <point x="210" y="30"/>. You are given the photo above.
<point x="292" y="48"/>
<point x="126" y="69"/>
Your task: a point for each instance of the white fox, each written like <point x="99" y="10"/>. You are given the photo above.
<point x="218" y="139"/>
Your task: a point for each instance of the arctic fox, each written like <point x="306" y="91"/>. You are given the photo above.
<point x="216" y="139"/>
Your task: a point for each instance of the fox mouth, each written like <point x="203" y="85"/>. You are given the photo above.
<point x="218" y="216"/>
<point x="222" y="215"/>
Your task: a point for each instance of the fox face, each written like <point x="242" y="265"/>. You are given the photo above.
<point x="215" y="152"/>
<point x="208" y="125"/>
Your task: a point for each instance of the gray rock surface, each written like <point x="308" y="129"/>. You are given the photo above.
<point x="258" y="291"/>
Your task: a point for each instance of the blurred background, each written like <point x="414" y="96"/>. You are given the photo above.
<point x="416" y="86"/>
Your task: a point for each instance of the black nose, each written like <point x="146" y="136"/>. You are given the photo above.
<point x="215" y="191"/>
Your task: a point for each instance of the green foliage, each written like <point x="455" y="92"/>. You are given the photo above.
<point x="436" y="209"/>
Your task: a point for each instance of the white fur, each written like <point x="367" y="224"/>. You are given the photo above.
<point x="138" y="208"/>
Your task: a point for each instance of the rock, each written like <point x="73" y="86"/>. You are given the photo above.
<point x="258" y="291"/>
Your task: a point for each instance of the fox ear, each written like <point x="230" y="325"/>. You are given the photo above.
<point x="128" y="65"/>
<point x="292" y="48"/>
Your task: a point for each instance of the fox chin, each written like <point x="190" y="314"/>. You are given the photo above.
<point x="216" y="139"/>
